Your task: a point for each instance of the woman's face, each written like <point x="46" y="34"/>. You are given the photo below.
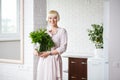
<point x="52" y="20"/>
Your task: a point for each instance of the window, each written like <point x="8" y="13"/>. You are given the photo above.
<point x="9" y="20"/>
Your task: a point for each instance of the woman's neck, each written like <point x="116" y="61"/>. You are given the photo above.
<point x="54" y="27"/>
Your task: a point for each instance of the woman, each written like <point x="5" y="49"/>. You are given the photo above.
<point x="50" y="62"/>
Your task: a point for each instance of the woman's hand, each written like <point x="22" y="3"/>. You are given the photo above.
<point x="44" y="54"/>
<point x="41" y="54"/>
<point x="35" y="53"/>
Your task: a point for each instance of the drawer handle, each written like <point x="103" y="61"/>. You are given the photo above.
<point x="73" y="62"/>
<point x="84" y="78"/>
<point x="83" y="63"/>
<point x="73" y="77"/>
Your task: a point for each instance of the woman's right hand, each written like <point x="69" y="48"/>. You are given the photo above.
<point x="35" y="53"/>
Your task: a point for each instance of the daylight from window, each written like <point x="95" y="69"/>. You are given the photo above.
<point x="9" y="21"/>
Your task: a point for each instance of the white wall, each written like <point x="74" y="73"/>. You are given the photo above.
<point x="114" y="40"/>
<point x="77" y="16"/>
<point x="9" y="71"/>
<point x="106" y="35"/>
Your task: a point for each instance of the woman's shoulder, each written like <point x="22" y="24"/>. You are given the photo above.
<point x="62" y="29"/>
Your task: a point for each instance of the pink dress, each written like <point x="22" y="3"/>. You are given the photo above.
<point x="50" y="68"/>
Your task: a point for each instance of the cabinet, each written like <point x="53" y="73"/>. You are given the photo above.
<point x="77" y="68"/>
<point x="97" y="69"/>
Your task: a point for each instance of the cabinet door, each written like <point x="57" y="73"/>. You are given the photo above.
<point x="77" y="69"/>
<point x="73" y="66"/>
<point x="82" y="69"/>
<point x="96" y="69"/>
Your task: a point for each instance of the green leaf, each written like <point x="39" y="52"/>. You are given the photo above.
<point x="43" y="38"/>
<point x="96" y="35"/>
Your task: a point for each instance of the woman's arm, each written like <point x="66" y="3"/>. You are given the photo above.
<point x="63" y="42"/>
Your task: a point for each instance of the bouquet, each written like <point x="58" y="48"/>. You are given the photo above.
<point x="42" y="40"/>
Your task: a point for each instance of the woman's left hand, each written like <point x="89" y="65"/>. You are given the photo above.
<point x="44" y="54"/>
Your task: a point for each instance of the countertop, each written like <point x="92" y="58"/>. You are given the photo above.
<point x="77" y="56"/>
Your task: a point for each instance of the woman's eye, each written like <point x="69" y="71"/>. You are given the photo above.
<point x="55" y="17"/>
<point x="50" y="18"/>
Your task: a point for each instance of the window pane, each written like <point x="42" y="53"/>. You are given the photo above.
<point x="9" y="15"/>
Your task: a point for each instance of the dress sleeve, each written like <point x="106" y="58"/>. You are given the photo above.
<point x="63" y="42"/>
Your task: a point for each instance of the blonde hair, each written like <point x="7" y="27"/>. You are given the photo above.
<point x="53" y="12"/>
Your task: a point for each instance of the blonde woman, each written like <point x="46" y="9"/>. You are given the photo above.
<point x="50" y="62"/>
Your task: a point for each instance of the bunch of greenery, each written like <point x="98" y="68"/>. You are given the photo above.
<point x="96" y="35"/>
<point x="43" y="39"/>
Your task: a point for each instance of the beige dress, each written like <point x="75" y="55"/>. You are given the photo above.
<point x="50" y="68"/>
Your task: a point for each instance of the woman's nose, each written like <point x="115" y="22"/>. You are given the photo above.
<point x="52" y="20"/>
